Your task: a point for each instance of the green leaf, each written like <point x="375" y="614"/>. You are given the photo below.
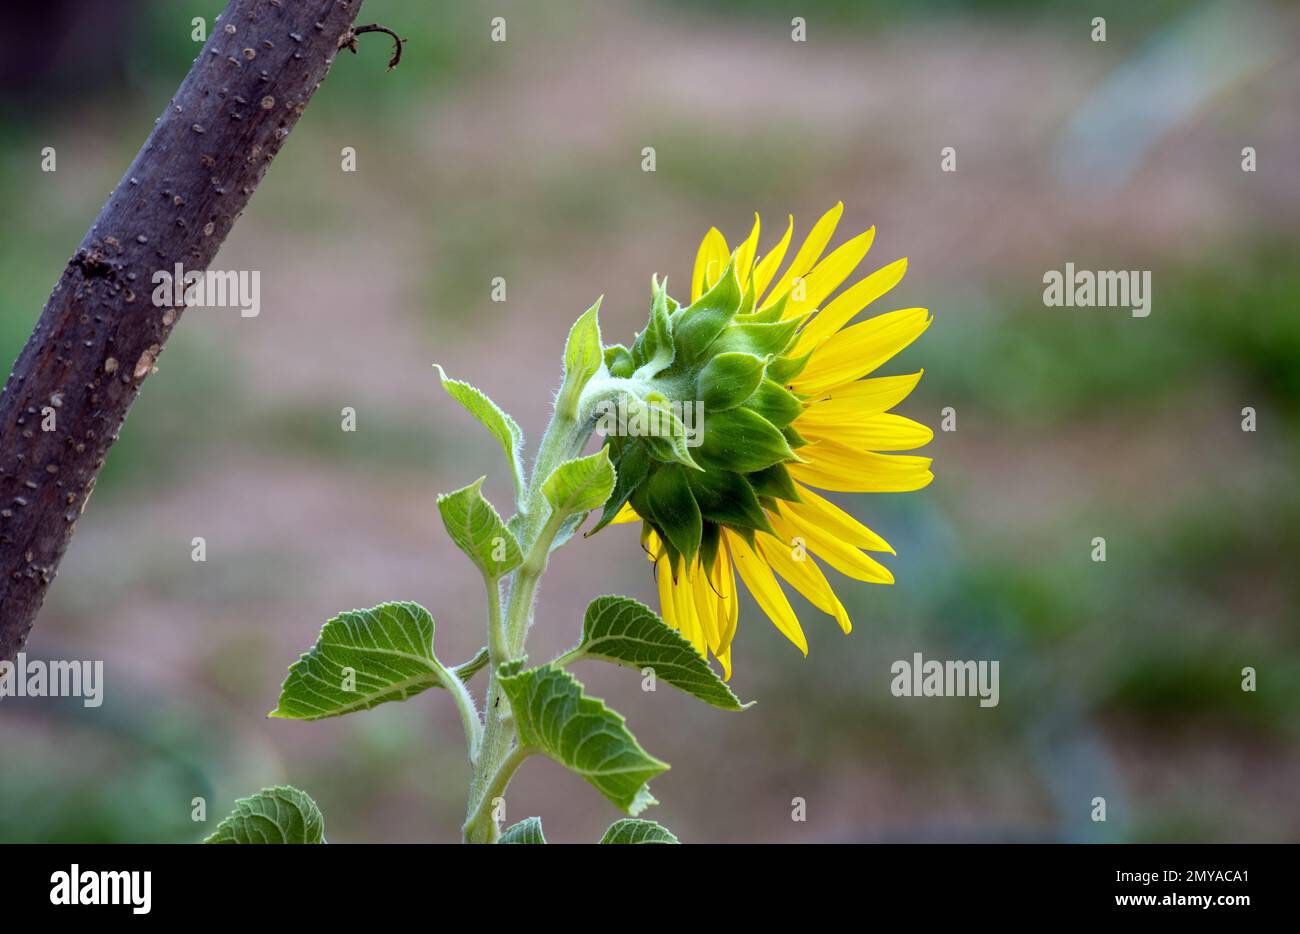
<point x="477" y="530"/>
<point x="274" y="815"/>
<point x="504" y="428"/>
<point x="583" y="358"/>
<point x="625" y="632"/>
<point x="728" y="380"/>
<point x="528" y="830"/>
<point x="633" y="830"/>
<point x="581" y="484"/>
<point x="556" y="718"/>
<point x="361" y="659"/>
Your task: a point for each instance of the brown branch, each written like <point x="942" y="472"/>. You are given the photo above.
<point x="100" y="335"/>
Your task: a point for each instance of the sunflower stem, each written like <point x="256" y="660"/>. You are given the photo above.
<point x="498" y="751"/>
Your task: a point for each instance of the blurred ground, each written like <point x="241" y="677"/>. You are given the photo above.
<point x="523" y="160"/>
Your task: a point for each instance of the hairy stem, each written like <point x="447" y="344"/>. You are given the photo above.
<point x="499" y="755"/>
<point x="468" y="713"/>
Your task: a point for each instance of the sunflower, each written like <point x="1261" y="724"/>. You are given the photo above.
<point x="803" y="418"/>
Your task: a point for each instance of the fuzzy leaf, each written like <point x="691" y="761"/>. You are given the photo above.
<point x="555" y="717"/>
<point x="282" y="814"/>
<point x="477" y="530"/>
<point x="625" y="632"/>
<point x="504" y="428"/>
<point x="635" y="830"/>
<point x="583" y="358"/>
<point x="528" y="830"/>
<point x="361" y="659"/>
<point x="581" y="484"/>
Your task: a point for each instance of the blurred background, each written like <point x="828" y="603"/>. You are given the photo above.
<point x="523" y="160"/>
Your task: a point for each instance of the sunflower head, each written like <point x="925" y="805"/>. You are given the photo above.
<point x="771" y="373"/>
<point x="709" y="390"/>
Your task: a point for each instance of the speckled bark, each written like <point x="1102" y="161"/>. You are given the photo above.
<point x="100" y="335"/>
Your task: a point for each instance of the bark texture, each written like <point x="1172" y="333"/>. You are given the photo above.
<point x="100" y="334"/>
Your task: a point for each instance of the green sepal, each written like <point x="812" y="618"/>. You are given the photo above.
<point x="728" y="379"/>
<point x="743" y="441"/>
<point x="727" y="498"/>
<point x="710" y="541"/>
<point x="666" y="499"/>
<point x="654" y="350"/>
<point x="702" y="321"/>
<point x="747" y="300"/>
<point x="671" y="446"/>
<point x="631" y="464"/>
<point x="618" y="360"/>
<point x="774" y="482"/>
<point x="763" y="339"/>
<point x="795" y="440"/>
<point x="783" y="369"/>
<point x="775" y="403"/>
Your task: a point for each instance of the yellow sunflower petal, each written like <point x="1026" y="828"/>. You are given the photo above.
<point x="862" y="398"/>
<point x="710" y="261"/>
<point x="857" y="350"/>
<point x="848" y="304"/>
<point x="767" y="592"/>
<point x="706" y="606"/>
<point x="768" y="265"/>
<point x="830" y="273"/>
<point x="677" y="603"/>
<point x="831" y="466"/>
<point x="819" y="511"/>
<point x="809" y="253"/>
<point x="805" y="576"/>
<point x="725" y="658"/>
<point x="884" y="432"/>
<point x="625" y="515"/>
<point x="745" y="255"/>
<point x="724" y="581"/>
<point x="843" y="557"/>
